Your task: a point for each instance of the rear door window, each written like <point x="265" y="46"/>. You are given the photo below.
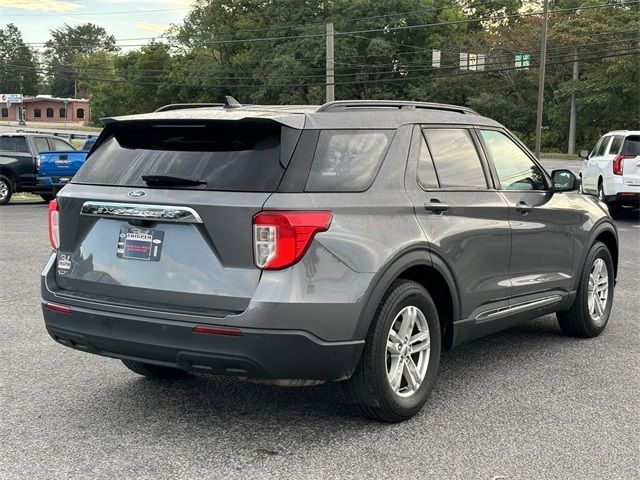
<point x="13" y="144"/>
<point x="229" y="156"/>
<point x="347" y="160"/>
<point x="427" y="177"/>
<point x="455" y="158"/>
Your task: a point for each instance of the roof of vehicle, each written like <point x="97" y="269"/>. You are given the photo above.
<point x="623" y="132"/>
<point x="341" y="114"/>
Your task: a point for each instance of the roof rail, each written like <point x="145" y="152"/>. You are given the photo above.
<point x="344" y="105"/>
<point x="180" y="106"/>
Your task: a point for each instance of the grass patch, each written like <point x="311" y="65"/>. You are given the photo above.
<point x="560" y="156"/>
<point x="25" y="197"/>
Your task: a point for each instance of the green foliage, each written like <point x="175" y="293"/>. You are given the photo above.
<point x="60" y="51"/>
<point x="16" y="59"/>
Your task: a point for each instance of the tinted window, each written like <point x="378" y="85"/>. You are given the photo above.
<point x="602" y="147"/>
<point x="455" y="158"/>
<point x="60" y="144"/>
<point x="616" y="143"/>
<point x="427" y="177"/>
<point x="49" y="112"/>
<point x="631" y="146"/>
<point x="347" y="160"/>
<point x="37" y="112"/>
<point x="235" y="156"/>
<point x="5" y="112"/>
<point x="41" y="144"/>
<point x="516" y="171"/>
<point x="13" y="144"/>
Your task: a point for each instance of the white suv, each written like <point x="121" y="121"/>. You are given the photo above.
<point x="612" y="169"/>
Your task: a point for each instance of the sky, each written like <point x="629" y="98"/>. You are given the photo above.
<point x="124" y="19"/>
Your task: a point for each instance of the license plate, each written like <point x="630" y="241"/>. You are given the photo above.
<point x="140" y="244"/>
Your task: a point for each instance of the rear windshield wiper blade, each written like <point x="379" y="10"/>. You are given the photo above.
<point x="169" y="180"/>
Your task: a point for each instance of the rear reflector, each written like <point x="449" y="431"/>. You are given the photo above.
<point x="628" y="194"/>
<point x="281" y="238"/>
<point x="228" y="331"/>
<point x="58" y="308"/>
<point x="54" y="224"/>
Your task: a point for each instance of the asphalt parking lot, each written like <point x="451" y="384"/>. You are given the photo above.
<point x="527" y="403"/>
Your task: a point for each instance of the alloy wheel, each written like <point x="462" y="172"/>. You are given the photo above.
<point x="408" y="351"/>
<point x="4" y="190"/>
<point x="598" y="291"/>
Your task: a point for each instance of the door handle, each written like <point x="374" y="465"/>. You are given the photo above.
<point x="523" y="207"/>
<point x="436" y="206"/>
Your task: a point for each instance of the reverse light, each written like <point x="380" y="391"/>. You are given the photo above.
<point x="54" y="224"/>
<point x="618" y="164"/>
<point x="281" y="238"/>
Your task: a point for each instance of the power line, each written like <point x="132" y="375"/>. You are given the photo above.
<point x="392" y="29"/>
<point x="414" y="66"/>
<point x="594" y="56"/>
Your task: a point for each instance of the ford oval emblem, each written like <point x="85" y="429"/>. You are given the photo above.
<point x="136" y="194"/>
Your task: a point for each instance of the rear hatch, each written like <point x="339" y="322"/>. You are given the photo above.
<point x="630" y="153"/>
<point x="160" y="215"/>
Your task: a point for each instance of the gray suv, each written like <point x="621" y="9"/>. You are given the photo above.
<point x="294" y="244"/>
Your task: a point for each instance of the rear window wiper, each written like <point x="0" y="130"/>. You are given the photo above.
<point x="170" y="180"/>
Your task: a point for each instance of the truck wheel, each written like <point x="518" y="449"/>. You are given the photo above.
<point x="590" y="311"/>
<point x="154" y="371"/>
<point x="6" y="190"/>
<point x="47" y="197"/>
<point x="401" y="355"/>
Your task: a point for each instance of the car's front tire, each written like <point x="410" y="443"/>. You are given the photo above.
<point x="6" y="190"/>
<point x="399" y="364"/>
<point x="589" y="314"/>
<point x="154" y="371"/>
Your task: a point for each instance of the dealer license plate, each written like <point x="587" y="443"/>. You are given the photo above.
<point x="140" y="244"/>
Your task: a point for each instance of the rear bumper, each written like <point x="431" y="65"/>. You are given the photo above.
<point x="625" y="198"/>
<point x="258" y="353"/>
<point x="54" y="181"/>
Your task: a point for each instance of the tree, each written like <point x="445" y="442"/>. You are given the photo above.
<point x="61" y="50"/>
<point x="17" y="60"/>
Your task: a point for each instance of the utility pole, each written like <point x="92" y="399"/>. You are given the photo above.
<point x="572" y="118"/>
<point x="543" y="61"/>
<point x="330" y="96"/>
<point x="21" y="110"/>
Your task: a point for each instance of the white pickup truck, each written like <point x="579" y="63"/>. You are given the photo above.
<point x="612" y="169"/>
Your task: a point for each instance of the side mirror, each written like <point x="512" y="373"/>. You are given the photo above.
<point x="564" y="181"/>
<point x="584" y="154"/>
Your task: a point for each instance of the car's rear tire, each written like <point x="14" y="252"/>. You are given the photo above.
<point x="154" y="371"/>
<point x="47" y="197"/>
<point x="601" y="194"/>
<point x="398" y="370"/>
<point x="6" y="190"/>
<point x="589" y="314"/>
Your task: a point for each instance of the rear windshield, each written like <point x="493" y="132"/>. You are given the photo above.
<point x="238" y="156"/>
<point x="13" y="144"/>
<point x="631" y="145"/>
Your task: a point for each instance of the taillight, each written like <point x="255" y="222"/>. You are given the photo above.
<point x="618" y="164"/>
<point x="54" y="224"/>
<point x="281" y="238"/>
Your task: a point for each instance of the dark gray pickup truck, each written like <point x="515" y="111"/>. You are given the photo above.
<point x="19" y="163"/>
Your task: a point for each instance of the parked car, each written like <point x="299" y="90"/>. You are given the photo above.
<point x="351" y="242"/>
<point x="19" y="163"/>
<point x="57" y="168"/>
<point x="612" y="169"/>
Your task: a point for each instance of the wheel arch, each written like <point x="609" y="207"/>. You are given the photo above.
<point x="420" y="264"/>
<point x="606" y="233"/>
